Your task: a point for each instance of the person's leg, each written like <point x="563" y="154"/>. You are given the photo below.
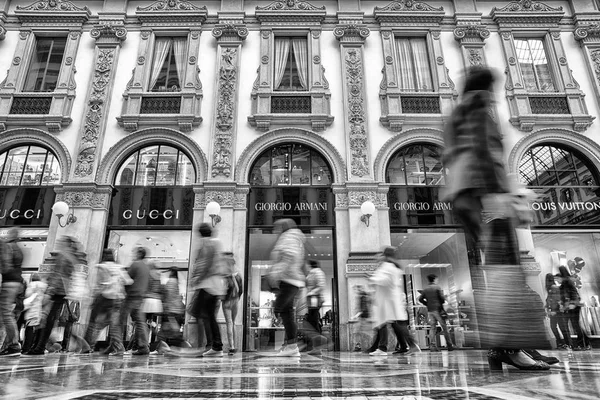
<point x="229" y="325"/>
<point x="284" y="305"/>
<point x="29" y="338"/>
<point x="574" y="318"/>
<point x="556" y="331"/>
<point x="313" y="319"/>
<point x="57" y="304"/>
<point x="8" y="294"/>
<point x="403" y="335"/>
<point x="563" y="323"/>
<point x="432" y="331"/>
<point x="217" y="343"/>
<point x="234" y="311"/>
<point x="442" y="322"/>
<point x="383" y="338"/>
<point x="374" y="342"/>
<point x="141" y="328"/>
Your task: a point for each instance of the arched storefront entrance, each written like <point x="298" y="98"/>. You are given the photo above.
<point x="288" y="181"/>
<point x="429" y="241"/>
<point x="152" y="207"/>
<point x="566" y="226"/>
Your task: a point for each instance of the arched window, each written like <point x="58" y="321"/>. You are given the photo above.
<point x="546" y="165"/>
<point x="159" y="165"/>
<point x="29" y="166"/>
<point x="290" y="165"/>
<point x="418" y="164"/>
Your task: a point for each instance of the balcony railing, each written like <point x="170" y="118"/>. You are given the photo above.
<point x="161" y="105"/>
<point x="30" y="105"/>
<point x="291" y="105"/>
<point x="549" y="105"/>
<point x="420" y="105"/>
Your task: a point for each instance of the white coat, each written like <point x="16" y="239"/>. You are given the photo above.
<point x="389" y="300"/>
<point x="34" y="299"/>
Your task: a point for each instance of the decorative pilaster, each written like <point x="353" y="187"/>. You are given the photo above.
<point x="471" y="37"/>
<point x="108" y="35"/>
<point x="587" y="33"/>
<point x="351" y="35"/>
<point x="230" y="34"/>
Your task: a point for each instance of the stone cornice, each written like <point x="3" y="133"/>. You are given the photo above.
<point x="408" y="12"/>
<point x="171" y="12"/>
<point x="46" y="12"/>
<point x="527" y="13"/>
<point x="85" y="195"/>
<point x="290" y="11"/>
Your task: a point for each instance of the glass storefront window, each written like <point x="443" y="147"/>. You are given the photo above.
<point x="290" y="165"/>
<point x="418" y="164"/>
<point x="266" y="330"/>
<point x="29" y="166"/>
<point x="443" y="253"/>
<point x="580" y="253"/>
<point x="159" y="165"/>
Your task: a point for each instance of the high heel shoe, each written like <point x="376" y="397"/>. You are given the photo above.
<point x="537" y="356"/>
<point x="498" y="356"/>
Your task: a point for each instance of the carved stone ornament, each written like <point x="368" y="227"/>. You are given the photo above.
<point x="287" y="5"/>
<point x="352" y="32"/>
<point x="359" y="164"/>
<point x="230" y="32"/>
<point x="95" y="113"/>
<point x="526" y="13"/>
<point x="409" y="12"/>
<point x="356" y="198"/>
<point x="471" y="33"/>
<point x="60" y="11"/>
<point x="475" y="57"/>
<point x="2" y="32"/>
<point x="171" y="5"/>
<point x="106" y="30"/>
<point x="225" y="113"/>
<point x="353" y="269"/>
<point x="595" y="57"/>
<point x="221" y="197"/>
<point x="588" y="33"/>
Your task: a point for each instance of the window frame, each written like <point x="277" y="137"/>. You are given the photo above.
<point x="399" y="106"/>
<point x="49" y="152"/>
<point x="270" y="106"/>
<point x="536" y="109"/>
<point x="143" y="107"/>
<point x="51" y="110"/>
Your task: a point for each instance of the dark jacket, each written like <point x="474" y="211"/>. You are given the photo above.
<point x="59" y="280"/>
<point x="433" y="297"/>
<point x="139" y="271"/>
<point x="553" y="300"/>
<point x="12" y="271"/>
<point x="569" y="295"/>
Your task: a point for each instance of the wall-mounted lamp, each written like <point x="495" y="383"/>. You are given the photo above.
<point x="367" y="208"/>
<point x="60" y="209"/>
<point x="213" y="209"/>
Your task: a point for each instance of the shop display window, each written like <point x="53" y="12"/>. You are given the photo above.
<point x="29" y="166"/>
<point x="264" y="329"/>
<point x="580" y="253"/>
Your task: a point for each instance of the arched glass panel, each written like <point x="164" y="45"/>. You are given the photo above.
<point x="29" y="166"/>
<point x="416" y="165"/>
<point x="290" y="165"/>
<point x="159" y="165"/>
<point x="554" y="166"/>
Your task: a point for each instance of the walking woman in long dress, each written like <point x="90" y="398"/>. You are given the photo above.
<point x="511" y="315"/>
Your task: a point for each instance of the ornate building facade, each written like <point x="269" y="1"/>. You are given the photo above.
<point x="139" y="114"/>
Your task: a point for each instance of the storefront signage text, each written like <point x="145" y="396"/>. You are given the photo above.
<point x="16" y="214"/>
<point x="535" y="206"/>
<point x="290" y="207"/>
<point x="152" y="214"/>
<point x="422" y="206"/>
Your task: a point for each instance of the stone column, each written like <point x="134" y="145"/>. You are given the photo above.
<point x="471" y="35"/>
<point x="587" y="33"/>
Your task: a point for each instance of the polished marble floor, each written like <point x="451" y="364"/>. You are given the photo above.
<point x="462" y="374"/>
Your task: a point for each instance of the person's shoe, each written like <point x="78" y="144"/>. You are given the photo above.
<point x="415" y="349"/>
<point x="10" y="352"/>
<point x="213" y="353"/>
<point x="450" y="348"/>
<point x="516" y="358"/>
<point x="35" y="352"/>
<point x="141" y="352"/>
<point x="400" y="351"/>
<point x="162" y="348"/>
<point x="534" y="354"/>
<point x="579" y="348"/>
<point x="232" y="351"/>
<point x="116" y="353"/>
<point x="128" y="352"/>
<point x="186" y="345"/>
<point x="315" y="352"/>
<point x="291" y="350"/>
<point x="378" y="352"/>
<point x="357" y="347"/>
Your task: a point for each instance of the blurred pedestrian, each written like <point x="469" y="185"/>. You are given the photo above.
<point x="34" y="298"/>
<point x="553" y="302"/>
<point x="173" y="312"/>
<point x="139" y="272"/>
<point x="287" y="274"/>
<point x="108" y="294"/>
<point x="11" y="258"/>
<point x="152" y="305"/>
<point x="433" y="297"/>
<point x="389" y="303"/>
<point x="571" y="309"/>
<point x="478" y="186"/>
<point x="208" y="279"/>
<point x="235" y="289"/>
